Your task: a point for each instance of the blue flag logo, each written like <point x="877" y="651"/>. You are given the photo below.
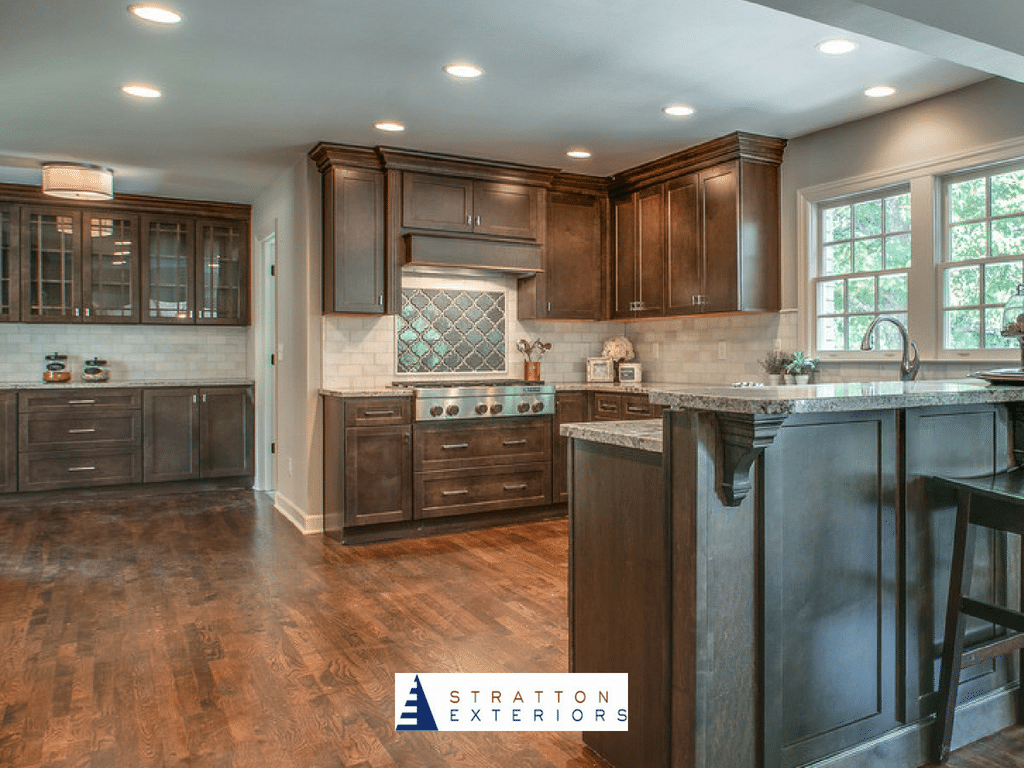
<point x="416" y="714"/>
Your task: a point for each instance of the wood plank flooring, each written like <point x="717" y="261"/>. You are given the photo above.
<point x="204" y="630"/>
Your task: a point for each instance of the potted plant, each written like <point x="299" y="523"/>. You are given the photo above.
<point x="801" y="366"/>
<point x="775" y="366"/>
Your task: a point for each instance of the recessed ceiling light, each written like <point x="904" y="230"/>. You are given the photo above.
<point x="578" y="153"/>
<point x="388" y="125"/>
<point x="155" y="13"/>
<point x="142" y="91"/>
<point x="837" y="47"/>
<point x="879" y="91"/>
<point x="677" y="110"/>
<point x="464" y="70"/>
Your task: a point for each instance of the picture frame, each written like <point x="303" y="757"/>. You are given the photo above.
<point x="630" y="372"/>
<point x="600" y="369"/>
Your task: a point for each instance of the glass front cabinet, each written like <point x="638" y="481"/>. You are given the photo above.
<point x="110" y="268"/>
<point x="9" y="263"/>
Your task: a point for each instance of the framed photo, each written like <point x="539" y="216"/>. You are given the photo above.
<point x="631" y="372"/>
<point x="600" y="369"/>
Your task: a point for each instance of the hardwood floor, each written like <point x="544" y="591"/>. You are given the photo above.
<point x="204" y="630"/>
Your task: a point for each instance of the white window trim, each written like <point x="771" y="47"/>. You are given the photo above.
<point x="924" y="288"/>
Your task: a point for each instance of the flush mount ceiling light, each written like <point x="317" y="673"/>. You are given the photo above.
<point x="78" y="182"/>
<point x="155" y="13"/>
<point x="879" y="91"/>
<point x="580" y="154"/>
<point x="677" y="110"/>
<point x="388" y="125"/>
<point x="837" y="47"/>
<point x="463" y="70"/>
<point x="142" y="91"/>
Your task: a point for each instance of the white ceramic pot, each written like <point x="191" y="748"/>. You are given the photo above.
<point x="802" y="378"/>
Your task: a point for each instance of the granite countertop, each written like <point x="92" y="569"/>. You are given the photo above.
<point x="825" y="398"/>
<point x="573" y="386"/>
<point x="642" y="434"/>
<point x="123" y="384"/>
<point x="378" y="392"/>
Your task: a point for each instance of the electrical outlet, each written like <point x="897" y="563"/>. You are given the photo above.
<point x="655" y="351"/>
<point x="777" y="346"/>
<point x="723" y="350"/>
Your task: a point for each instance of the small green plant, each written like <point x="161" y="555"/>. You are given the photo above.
<point x="775" y="363"/>
<point x="801" y="364"/>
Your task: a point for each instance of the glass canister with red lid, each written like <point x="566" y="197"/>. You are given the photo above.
<point x="56" y="368"/>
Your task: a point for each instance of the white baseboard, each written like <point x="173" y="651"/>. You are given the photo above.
<point x="298" y="517"/>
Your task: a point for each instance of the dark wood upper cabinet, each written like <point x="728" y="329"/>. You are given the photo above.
<point x="461" y="205"/>
<point x="110" y="267"/>
<point x="51" y="265"/>
<point x="571" y="287"/>
<point x="222" y="273"/>
<point x="506" y="210"/>
<point x="10" y="263"/>
<point x="639" y="263"/>
<point x="168" y="270"/>
<point x="684" y="268"/>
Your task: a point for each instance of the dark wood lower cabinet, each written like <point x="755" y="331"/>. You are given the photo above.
<point x="8" y="442"/>
<point x="226" y="431"/>
<point x="569" y="407"/>
<point x="377" y="474"/>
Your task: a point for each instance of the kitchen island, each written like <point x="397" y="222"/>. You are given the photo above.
<point x="781" y="567"/>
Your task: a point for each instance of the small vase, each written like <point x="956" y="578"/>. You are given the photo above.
<point x="775" y="380"/>
<point x="790" y="378"/>
<point x="802" y="378"/>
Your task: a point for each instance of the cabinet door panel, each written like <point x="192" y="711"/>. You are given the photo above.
<point x="378" y="474"/>
<point x="170" y="434"/>
<point x="684" y="268"/>
<point x="8" y="442"/>
<point x="168" y="271"/>
<point x="572" y="258"/>
<point x="222" y="274"/>
<point x="354" y="265"/>
<point x="110" y="268"/>
<point x="651" y="208"/>
<point x="437" y="202"/>
<point x="506" y="210"/>
<point x="51" y="267"/>
<point x="10" y="288"/>
<point x="570" y="407"/>
<point x="226" y="431"/>
<point x="721" y="237"/>
<point x="625" y="258"/>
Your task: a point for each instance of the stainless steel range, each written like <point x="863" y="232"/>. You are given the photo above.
<point x="440" y="401"/>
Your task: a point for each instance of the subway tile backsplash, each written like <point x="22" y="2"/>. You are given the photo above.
<point x="134" y="352"/>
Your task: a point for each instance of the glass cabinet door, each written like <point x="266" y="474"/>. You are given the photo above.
<point x="168" y="276"/>
<point x="222" y="272"/>
<point x="9" y="288"/>
<point x="50" y="278"/>
<point x="110" y="268"/>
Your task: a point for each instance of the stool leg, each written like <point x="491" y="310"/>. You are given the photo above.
<point x="961" y="571"/>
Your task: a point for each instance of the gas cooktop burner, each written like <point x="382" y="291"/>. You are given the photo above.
<point x="453" y="384"/>
<point x="445" y="400"/>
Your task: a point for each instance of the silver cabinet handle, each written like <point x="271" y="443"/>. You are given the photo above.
<point x="469" y="220"/>
<point x="513" y="442"/>
<point x="81" y="469"/>
<point x="81" y="431"/>
<point x="519" y="487"/>
<point x="80" y="402"/>
<point x="379" y="413"/>
<point x="478" y="221"/>
<point x="460" y="492"/>
<point x="453" y="446"/>
<point x="637" y="409"/>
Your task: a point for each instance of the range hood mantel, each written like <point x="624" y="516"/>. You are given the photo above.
<point x="433" y="252"/>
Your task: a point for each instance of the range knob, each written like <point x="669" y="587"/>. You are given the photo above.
<point x="436" y="410"/>
<point x="538" y="407"/>
<point x="523" y="407"/>
<point x="497" y="408"/>
<point x="481" y="408"/>
<point x="453" y="410"/>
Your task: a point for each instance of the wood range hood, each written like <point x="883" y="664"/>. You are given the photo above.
<point x="441" y="254"/>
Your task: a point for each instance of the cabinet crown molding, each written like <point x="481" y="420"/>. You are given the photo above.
<point x="326" y="154"/>
<point x="438" y="163"/>
<point x="25" y="194"/>
<point x="734" y="146"/>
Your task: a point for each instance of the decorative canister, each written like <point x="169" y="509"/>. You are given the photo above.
<point x="531" y="370"/>
<point x="56" y="368"/>
<point x="95" y="370"/>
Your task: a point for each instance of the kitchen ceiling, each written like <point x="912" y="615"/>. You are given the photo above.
<point x="250" y="85"/>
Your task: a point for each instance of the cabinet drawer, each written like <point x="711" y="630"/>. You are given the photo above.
<point x="458" y="492"/>
<point x="80" y="399"/>
<point x="364" y="412"/>
<point x="607" y="407"/>
<point x="70" y="428"/>
<point x="639" y="407"/>
<point x="440" y="446"/>
<point x="79" y="469"/>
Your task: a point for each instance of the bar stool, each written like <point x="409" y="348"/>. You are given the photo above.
<point x="995" y="502"/>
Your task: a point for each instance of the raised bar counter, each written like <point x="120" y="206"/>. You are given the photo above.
<point x="775" y="581"/>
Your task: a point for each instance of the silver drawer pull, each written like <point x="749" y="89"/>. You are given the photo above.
<point x="607" y="407"/>
<point x="513" y="442"/>
<point x="637" y="409"/>
<point x="81" y="402"/>
<point x="453" y="446"/>
<point x="81" y="431"/>
<point x="81" y="469"/>
<point x="379" y="413"/>
<point x="519" y="487"/>
<point x="460" y="492"/>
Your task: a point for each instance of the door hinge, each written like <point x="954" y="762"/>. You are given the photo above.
<point x="273" y="447"/>
<point x="273" y="270"/>
<point x="273" y="360"/>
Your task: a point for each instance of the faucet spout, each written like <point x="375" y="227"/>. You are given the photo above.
<point x="909" y="366"/>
